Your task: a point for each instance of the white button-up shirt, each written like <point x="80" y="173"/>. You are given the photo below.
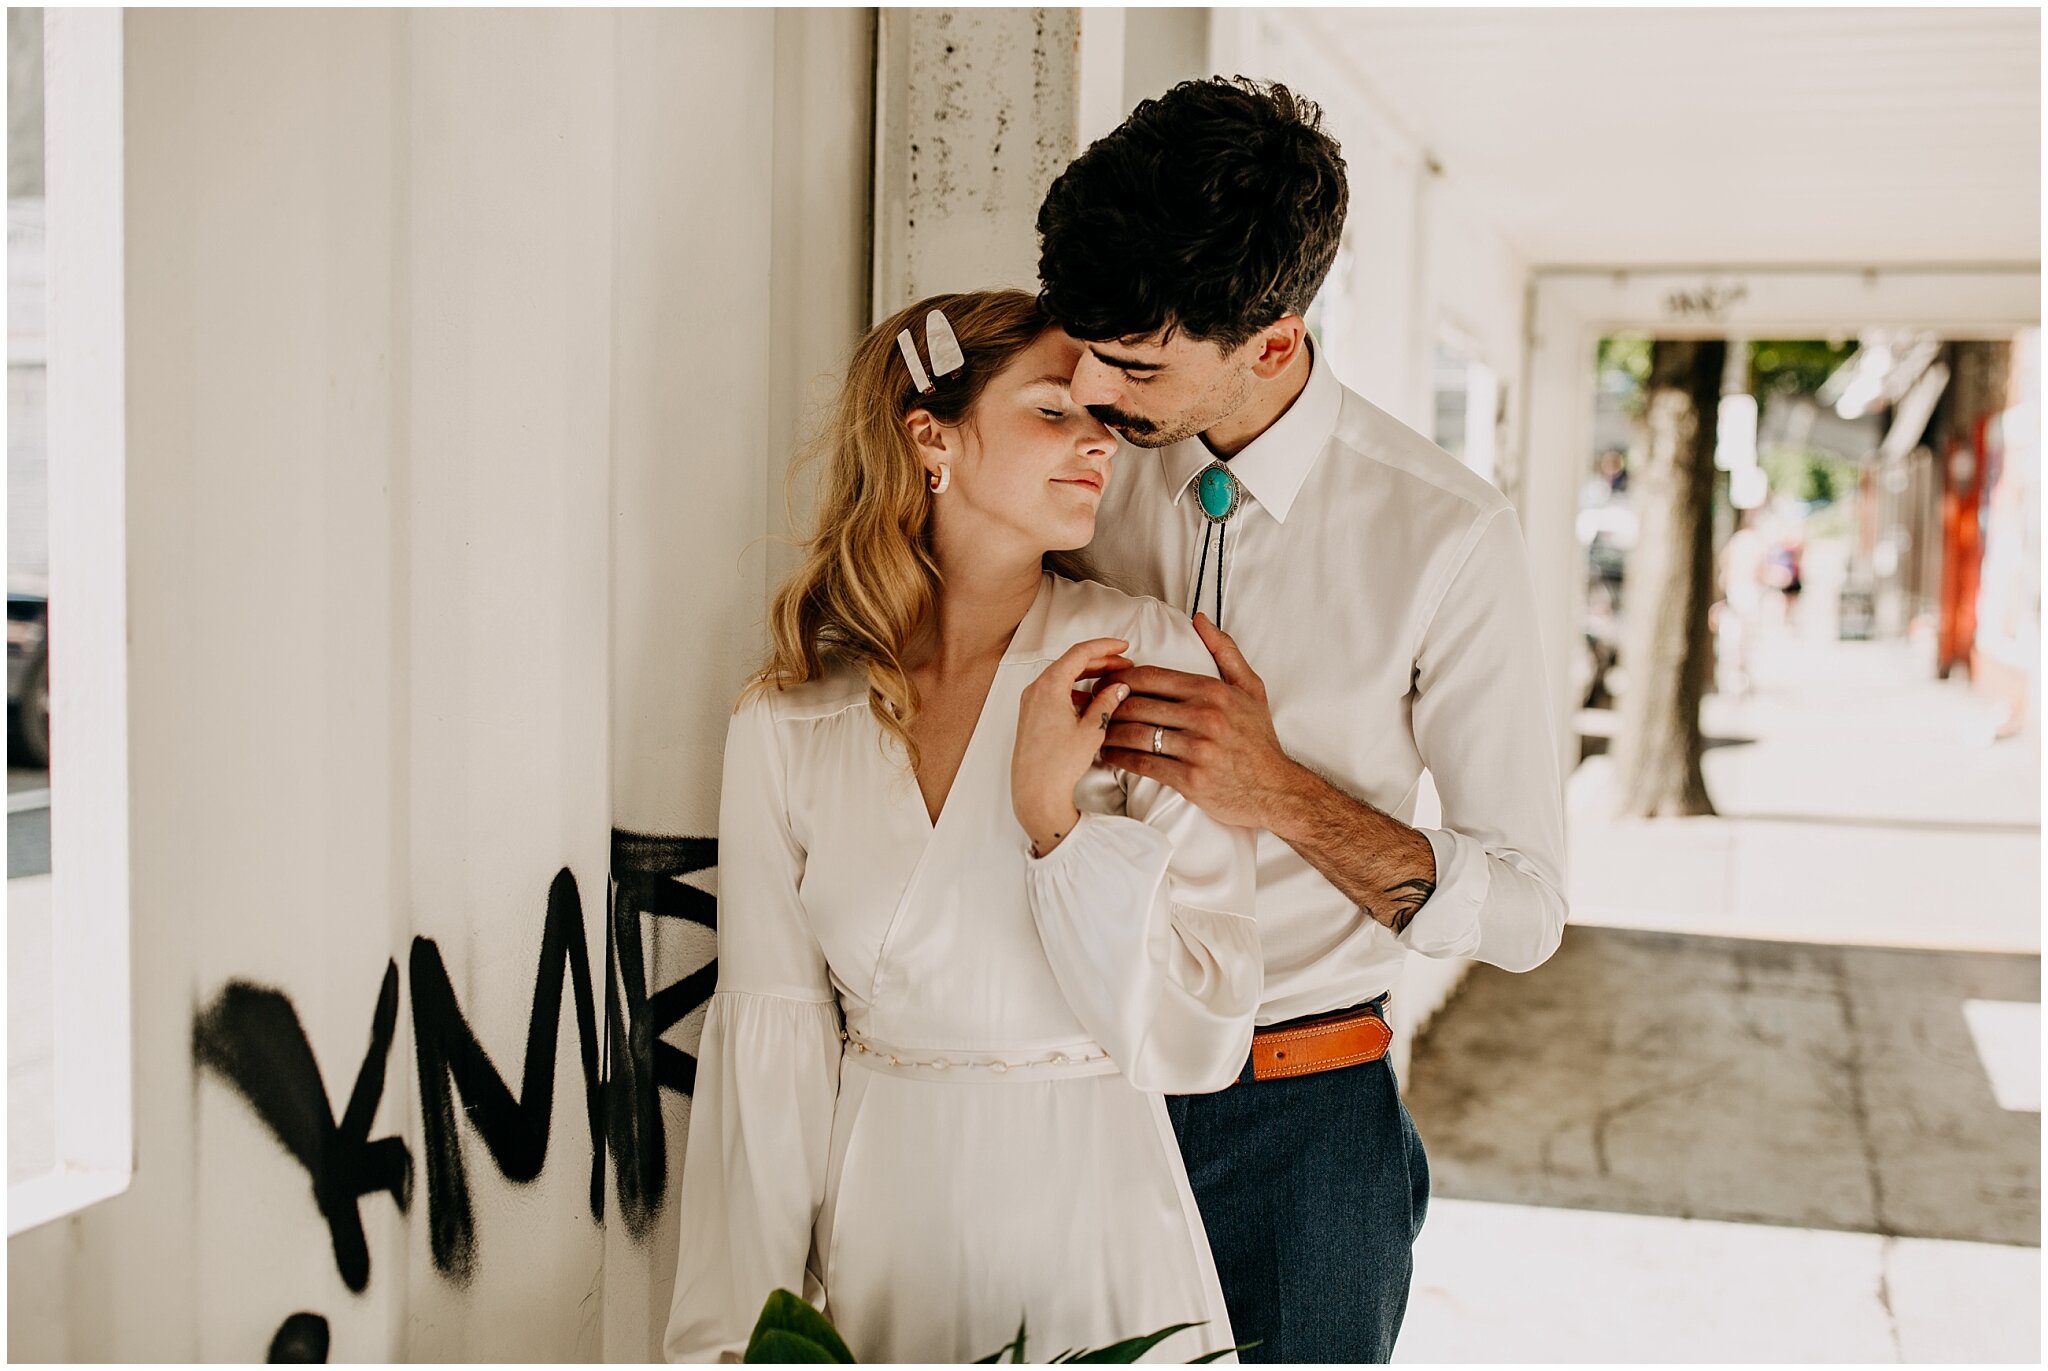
<point x="1381" y="590"/>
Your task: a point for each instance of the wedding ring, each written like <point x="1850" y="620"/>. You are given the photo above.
<point x="1159" y="739"/>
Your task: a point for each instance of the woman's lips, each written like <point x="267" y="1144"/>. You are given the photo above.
<point x="1093" y="483"/>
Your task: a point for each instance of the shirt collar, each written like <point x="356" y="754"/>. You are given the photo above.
<point x="1274" y="465"/>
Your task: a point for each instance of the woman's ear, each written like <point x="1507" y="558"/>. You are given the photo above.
<point x="933" y="441"/>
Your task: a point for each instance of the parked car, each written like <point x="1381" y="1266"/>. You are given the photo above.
<point x="28" y="680"/>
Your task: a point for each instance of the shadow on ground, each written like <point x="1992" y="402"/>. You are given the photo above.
<point x="1600" y="744"/>
<point x="1718" y="1078"/>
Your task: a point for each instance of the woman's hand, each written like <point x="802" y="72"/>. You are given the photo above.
<point x="1059" y="731"/>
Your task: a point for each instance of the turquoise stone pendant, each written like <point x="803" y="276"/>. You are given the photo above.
<point x="1219" y="492"/>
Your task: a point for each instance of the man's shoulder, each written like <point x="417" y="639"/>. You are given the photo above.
<point x="1404" y="466"/>
<point x="1159" y="634"/>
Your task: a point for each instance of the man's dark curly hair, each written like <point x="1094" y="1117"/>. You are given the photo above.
<point x="1213" y="211"/>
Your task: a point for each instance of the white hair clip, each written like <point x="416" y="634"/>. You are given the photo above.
<point x="941" y="346"/>
<point x="940" y="343"/>
<point x="917" y="376"/>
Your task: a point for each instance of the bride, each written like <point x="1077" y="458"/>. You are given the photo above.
<point x="959" y="965"/>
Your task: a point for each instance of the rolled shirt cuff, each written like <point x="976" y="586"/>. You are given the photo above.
<point x="1447" y="925"/>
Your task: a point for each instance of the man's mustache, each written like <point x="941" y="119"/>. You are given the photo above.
<point x="1116" y="418"/>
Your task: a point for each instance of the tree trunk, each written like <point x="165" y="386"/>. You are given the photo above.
<point x="1670" y="587"/>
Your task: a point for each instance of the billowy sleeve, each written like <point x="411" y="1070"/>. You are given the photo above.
<point x="767" y="1070"/>
<point x="1146" y="917"/>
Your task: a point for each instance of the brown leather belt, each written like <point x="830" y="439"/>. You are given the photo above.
<point x="1350" y="1037"/>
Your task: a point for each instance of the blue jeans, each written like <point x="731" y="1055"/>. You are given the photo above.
<point x="1313" y="1189"/>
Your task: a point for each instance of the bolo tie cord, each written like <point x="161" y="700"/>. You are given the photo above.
<point x="1222" y="532"/>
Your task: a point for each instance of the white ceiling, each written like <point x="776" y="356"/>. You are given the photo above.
<point x="1710" y="136"/>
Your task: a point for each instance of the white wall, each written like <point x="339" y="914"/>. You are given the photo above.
<point x="1162" y="47"/>
<point x="449" y="346"/>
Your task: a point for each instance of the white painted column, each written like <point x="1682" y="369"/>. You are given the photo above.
<point x="1557" y="392"/>
<point x="976" y="111"/>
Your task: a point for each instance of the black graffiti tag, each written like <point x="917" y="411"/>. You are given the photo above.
<point x="252" y="1037"/>
<point x="302" y="1337"/>
<point x="638" y="1064"/>
<point x="514" y="1129"/>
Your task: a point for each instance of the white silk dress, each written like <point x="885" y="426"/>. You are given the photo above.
<point x="930" y="1088"/>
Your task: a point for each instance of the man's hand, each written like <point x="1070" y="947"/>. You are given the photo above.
<point x="1220" y="751"/>
<point x="1217" y="744"/>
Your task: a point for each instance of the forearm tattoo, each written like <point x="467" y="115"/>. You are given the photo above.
<point x="1409" y="897"/>
<point x="1357" y="848"/>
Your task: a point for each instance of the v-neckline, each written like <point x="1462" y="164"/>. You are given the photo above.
<point x="931" y="821"/>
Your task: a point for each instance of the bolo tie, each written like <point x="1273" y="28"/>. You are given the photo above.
<point x="1220" y="496"/>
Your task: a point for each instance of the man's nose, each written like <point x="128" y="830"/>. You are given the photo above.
<point x="1094" y="383"/>
<point x="1099" y="441"/>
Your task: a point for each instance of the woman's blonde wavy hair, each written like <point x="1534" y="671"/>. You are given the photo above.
<point x="868" y="580"/>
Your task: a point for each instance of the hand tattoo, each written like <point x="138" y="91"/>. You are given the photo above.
<point x="1040" y="856"/>
<point x="1410" y="896"/>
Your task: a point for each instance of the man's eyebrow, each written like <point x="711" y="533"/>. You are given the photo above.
<point x="1125" y="363"/>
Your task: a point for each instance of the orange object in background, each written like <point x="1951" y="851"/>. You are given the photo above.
<point x="1962" y="548"/>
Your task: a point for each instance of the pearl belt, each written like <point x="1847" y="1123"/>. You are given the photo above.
<point x="1090" y="1060"/>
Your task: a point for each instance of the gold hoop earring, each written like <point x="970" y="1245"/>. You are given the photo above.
<point x="939" y="480"/>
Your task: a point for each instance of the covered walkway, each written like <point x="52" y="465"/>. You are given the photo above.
<point x="1778" y="1095"/>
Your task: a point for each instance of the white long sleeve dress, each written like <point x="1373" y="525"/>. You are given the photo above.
<point x="929" y="1092"/>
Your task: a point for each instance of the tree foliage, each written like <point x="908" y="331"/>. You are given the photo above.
<point x="1812" y="475"/>
<point x="1779" y="368"/>
<point x="1784" y="368"/>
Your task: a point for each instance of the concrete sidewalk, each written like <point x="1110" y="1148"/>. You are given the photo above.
<point x="1855" y="1111"/>
<point x="1503" y="1283"/>
<point x="1860" y="802"/>
<point x="1762" y="1082"/>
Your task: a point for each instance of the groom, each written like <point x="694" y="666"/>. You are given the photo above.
<point x="1380" y="621"/>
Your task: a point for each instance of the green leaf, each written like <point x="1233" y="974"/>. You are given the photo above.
<point x="790" y="1321"/>
<point x="1220" y="1353"/>
<point x="1129" y="1350"/>
<point x="777" y="1347"/>
<point x="1015" y="1349"/>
